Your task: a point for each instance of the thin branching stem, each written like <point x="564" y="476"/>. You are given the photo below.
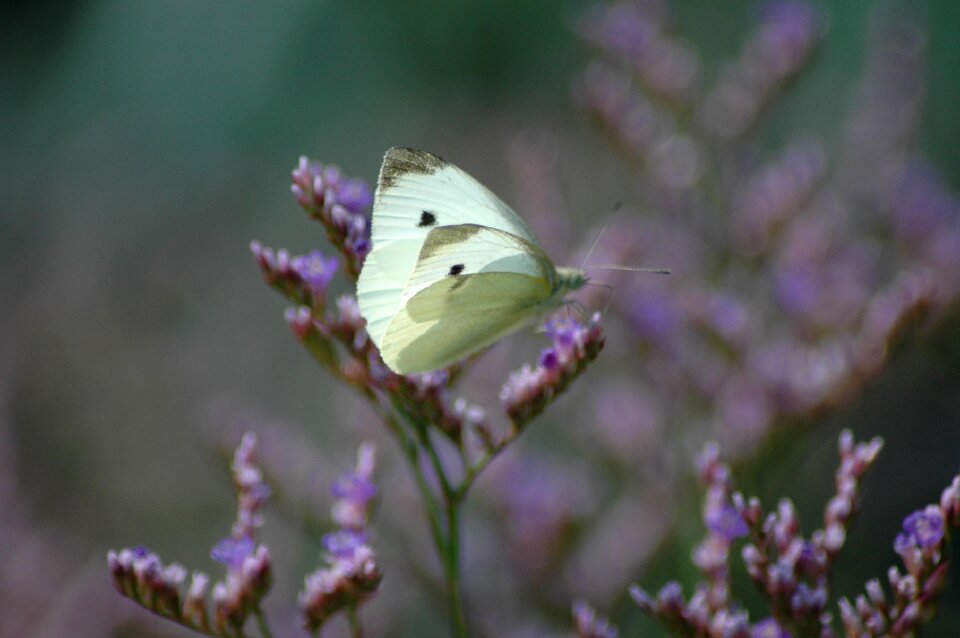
<point x="262" y="623"/>
<point x="353" y="618"/>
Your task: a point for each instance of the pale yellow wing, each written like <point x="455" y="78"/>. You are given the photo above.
<point x="459" y="315"/>
<point x="468" y="249"/>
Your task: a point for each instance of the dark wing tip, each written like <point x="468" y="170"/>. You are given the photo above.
<point x="399" y="161"/>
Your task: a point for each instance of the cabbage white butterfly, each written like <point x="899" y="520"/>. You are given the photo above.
<point x="452" y="269"/>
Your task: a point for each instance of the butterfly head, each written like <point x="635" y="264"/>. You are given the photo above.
<point x="570" y="279"/>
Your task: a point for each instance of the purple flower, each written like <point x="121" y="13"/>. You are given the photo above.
<point x="361" y="246"/>
<point x="590" y="625"/>
<point x="924" y="527"/>
<point x="922" y="204"/>
<point x="352" y="487"/>
<point x="563" y="331"/>
<point x="521" y="386"/>
<point x="344" y="543"/>
<point x="655" y="316"/>
<point x="354" y="491"/>
<point x="769" y="628"/>
<point x="232" y="551"/>
<point x="670" y="596"/>
<point x="623" y="29"/>
<point x="789" y="31"/>
<point x="356" y="195"/>
<point x="549" y="359"/>
<point x="316" y="270"/>
<point x="727" y="522"/>
<point x="798" y="289"/>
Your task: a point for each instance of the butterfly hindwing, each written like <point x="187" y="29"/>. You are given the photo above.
<point x="459" y="315"/>
<point x="471" y="286"/>
<point x="467" y="249"/>
<point x="418" y="192"/>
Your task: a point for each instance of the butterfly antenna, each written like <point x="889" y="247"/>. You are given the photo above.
<point x="658" y="271"/>
<point x="596" y="241"/>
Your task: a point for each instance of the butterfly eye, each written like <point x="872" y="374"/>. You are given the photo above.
<point x="427" y="219"/>
<point x="455" y="270"/>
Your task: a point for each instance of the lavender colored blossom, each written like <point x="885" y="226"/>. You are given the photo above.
<point x="233" y="551"/>
<point x="792" y="573"/>
<point x="344" y="543"/>
<point x="925" y="527"/>
<point x="139" y="575"/>
<point x="549" y="359"/>
<point x="727" y="522"/>
<point x="769" y="628"/>
<point x="356" y="196"/>
<point x="316" y="270"/>
<point x="344" y="585"/>
<point x="528" y="390"/>
<point x="340" y="203"/>
<point x="355" y="491"/>
<point x="589" y="625"/>
<point x="351" y="574"/>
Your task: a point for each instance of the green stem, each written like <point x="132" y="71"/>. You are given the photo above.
<point x="451" y="568"/>
<point x="262" y="622"/>
<point x="446" y="541"/>
<point x="448" y="491"/>
<point x="356" y="629"/>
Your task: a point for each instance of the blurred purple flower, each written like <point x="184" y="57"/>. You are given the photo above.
<point x="355" y="491"/>
<point x="344" y="543"/>
<point x="727" y="522"/>
<point x="589" y="625"/>
<point x="233" y="551"/>
<point x="769" y="628"/>
<point x="351" y="574"/>
<point x="655" y="316"/>
<point x="356" y="195"/>
<point x="924" y="527"/>
<point x="549" y="359"/>
<point x="529" y="390"/>
<point x="353" y="487"/>
<point x="316" y="270"/>
<point x="789" y="28"/>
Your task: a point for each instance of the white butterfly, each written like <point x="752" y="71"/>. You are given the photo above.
<point x="452" y="269"/>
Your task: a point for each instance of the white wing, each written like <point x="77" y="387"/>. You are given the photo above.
<point x="471" y="286"/>
<point x="418" y="192"/>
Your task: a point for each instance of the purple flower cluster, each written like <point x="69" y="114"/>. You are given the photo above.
<point x="787" y="35"/>
<point x="793" y="572"/>
<point x="530" y="389"/>
<point x="139" y="574"/>
<point x="923" y="546"/>
<point x="589" y="625"/>
<point x="793" y="272"/>
<point x="341" y="203"/>
<point x="351" y="575"/>
<point x="639" y="36"/>
<point x="304" y="278"/>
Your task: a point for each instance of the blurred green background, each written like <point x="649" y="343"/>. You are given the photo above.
<point x="144" y="144"/>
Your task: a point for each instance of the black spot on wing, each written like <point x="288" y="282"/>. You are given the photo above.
<point x="427" y="219"/>
<point x="455" y="270"/>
